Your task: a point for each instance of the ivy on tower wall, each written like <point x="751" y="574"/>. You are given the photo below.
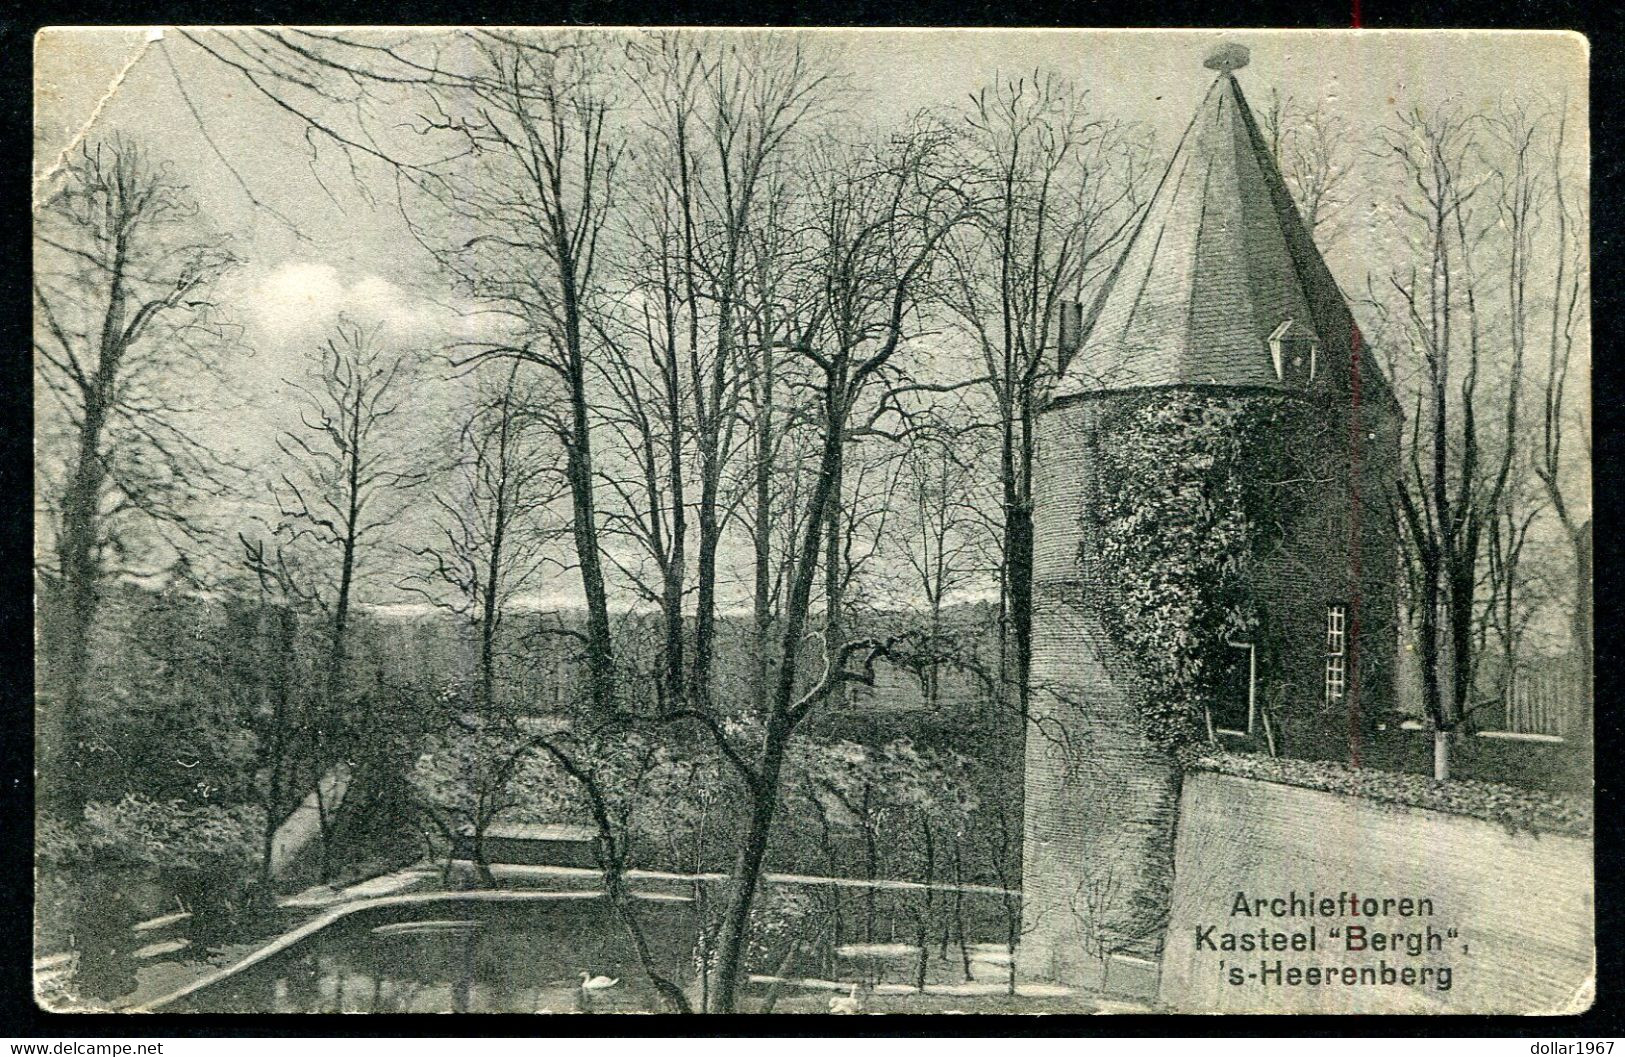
<point x="1194" y="491"/>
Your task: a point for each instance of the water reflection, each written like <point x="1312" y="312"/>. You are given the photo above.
<point x="515" y="956"/>
<point x="519" y="954"/>
<point x="85" y="925"/>
<point x="104" y="915"/>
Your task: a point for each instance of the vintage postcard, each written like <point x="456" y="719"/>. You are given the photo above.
<point x="812" y="521"/>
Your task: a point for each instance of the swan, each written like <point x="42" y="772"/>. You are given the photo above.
<point x="847" y="1003"/>
<point x="590" y="982"/>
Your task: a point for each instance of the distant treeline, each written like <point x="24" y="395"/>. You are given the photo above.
<point x="184" y="693"/>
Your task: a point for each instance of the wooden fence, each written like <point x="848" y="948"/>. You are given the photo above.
<point x="1545" y="701"/>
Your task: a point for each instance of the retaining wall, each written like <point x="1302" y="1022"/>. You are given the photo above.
<point x="1520" y="903"/>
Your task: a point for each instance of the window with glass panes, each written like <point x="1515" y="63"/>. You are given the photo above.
<point x="1336" y="654"/>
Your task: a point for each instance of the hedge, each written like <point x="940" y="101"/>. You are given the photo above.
<point x="1520" y="810"/>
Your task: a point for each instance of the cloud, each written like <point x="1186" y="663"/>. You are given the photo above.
<point x="298" y="299"/>
<point x="298" y="296"/>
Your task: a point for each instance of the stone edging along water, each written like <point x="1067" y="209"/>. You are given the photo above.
<point x="321" y="921"/>
<point x="883" y="883"/>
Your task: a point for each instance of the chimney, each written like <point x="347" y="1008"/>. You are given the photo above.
<point x="1071" y="335"/>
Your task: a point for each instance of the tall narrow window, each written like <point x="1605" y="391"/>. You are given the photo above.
<point x="1070" y="338"/>
<point x="1336" y="655"/>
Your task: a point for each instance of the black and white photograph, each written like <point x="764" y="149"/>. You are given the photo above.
<point x="832" y="521"/>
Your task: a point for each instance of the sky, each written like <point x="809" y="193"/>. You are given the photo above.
<point x="354" y="255"/>
<point x="131" y="80"/>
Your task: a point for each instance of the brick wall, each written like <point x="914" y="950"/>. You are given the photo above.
<point x="1100" y="799"/>
<point x="1101" y="802"/>
<point x="1522" y="903"/>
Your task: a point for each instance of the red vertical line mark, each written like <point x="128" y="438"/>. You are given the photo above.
<point x="1355" y="19"/>
<point x="1356" y="427"/>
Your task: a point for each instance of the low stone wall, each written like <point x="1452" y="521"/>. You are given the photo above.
<point x="1520" y="905"/>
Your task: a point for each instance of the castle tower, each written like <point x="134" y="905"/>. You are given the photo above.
<point x="1220" y="301"/>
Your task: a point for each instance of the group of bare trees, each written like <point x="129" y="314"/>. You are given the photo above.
<point x="1479" y="321"/>
<point x="722" y="332"/>
<point x="730" y="352"/>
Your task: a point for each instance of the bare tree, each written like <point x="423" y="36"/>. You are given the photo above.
<point x="940" y="537"/>
<point x="490" y="541"/>
<point x="1523" y="195"/>
<point x="1062" y="187"/>
<point x="1463" y="435"/>
<point x="279" y="705"/>
<point x="344" y="484"/>
<point x="777" y="406"/>
<point x="477" y="765"/>
<point x="123" y="271"/>
<point x="877" y="220"/>
<point x="721" y="114"/>
<point x="1562" y="415"/>
<point x="1314" y="152"/>
<point x="516" y="212"/>
<point x="1433" y="152"/>
<point x="347" y="474"/>
<point x="644" y="373"/>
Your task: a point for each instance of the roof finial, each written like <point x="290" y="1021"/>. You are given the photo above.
<point x="1227" y="56"/>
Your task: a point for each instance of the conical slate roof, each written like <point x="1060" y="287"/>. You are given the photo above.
<point x="1218" y="263"/>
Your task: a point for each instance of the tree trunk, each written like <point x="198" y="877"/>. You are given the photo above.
<point x="1581" y="629"/>
<point x="762" y="623"/>
<point x="1021" y="557"/>
<point x="1432" y="692"/>
<point x="705" y="614"/>
<point x="482" y="862"/>
<point x="959" y="909"/>
<point x="671" y="996"/>
<point x="782" y="717"/>
<point x="1012" y="936"/>
<point x="777" y="986"/>
<point x="600" y="660"/>
<point x="331" y="717"/>
<point x="834" y="583"/>
<point x="747" y="874"/>
<point x="1441" y="755"/>
<point x="673" y="673"/>
<point x="490" y="613"/>
<point x="923" y="939"/>
<point x="1463" y="650"/>
<point x="324" y="823"/>
<point x="282" y="653"/>
<point x="78" y="552"/>
<point x="922" y="933"/>
<point x="871" y="866"/>
<point x="762" y="529"/>
<point x="79" y="546"/>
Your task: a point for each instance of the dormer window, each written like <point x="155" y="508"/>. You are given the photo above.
<point x="1295" y="352"/>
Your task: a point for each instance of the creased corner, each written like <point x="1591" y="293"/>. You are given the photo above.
<point x="1581" y="1001"/>
<point x="44" y="178"/>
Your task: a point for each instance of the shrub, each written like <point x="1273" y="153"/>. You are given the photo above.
<point x="1519" y="810"/>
